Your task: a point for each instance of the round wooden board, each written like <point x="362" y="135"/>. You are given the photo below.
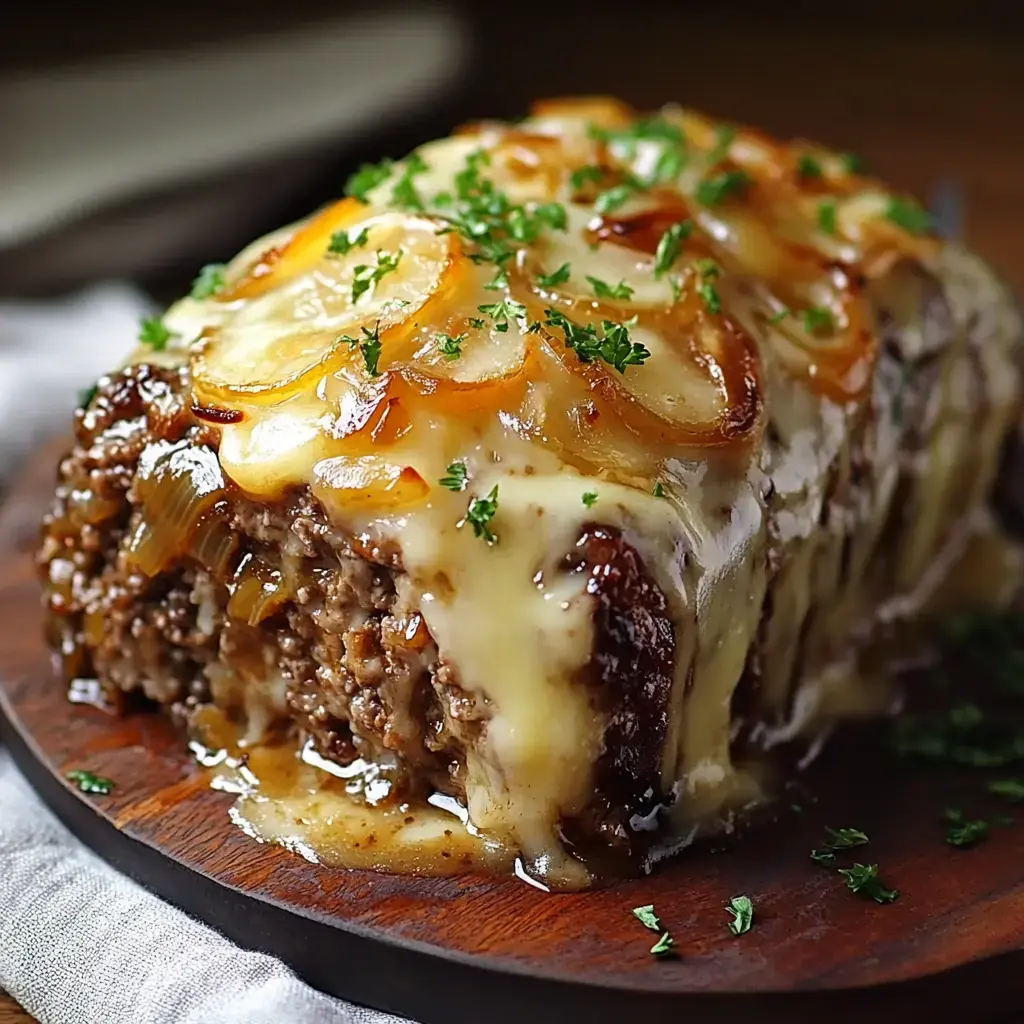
<point x="447" y="951"/>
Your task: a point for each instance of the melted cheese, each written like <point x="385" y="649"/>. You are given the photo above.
<point x="350" y="390"/>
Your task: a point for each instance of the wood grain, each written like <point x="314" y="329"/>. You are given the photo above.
<point x="12" y="1013"/>
<point x="393" y="942"/>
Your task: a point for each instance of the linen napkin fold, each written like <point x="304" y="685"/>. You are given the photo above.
<point x="80" y="943"/>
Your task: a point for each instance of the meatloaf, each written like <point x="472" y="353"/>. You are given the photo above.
<point x="566" y="468"/>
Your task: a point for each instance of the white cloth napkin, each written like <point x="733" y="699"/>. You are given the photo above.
<point x="80" y="943"/>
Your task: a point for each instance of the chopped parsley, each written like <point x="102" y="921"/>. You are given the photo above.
<point x="827" y="216"/>
<point x="480" y="513"/>
<point x="342" y="242"/>
<point x="908" y="215"/>
<point x="863" y="880"/>
<point x="670" y="245"/>
<point x="503" y="311"/>
<point x="817" y="320"/>
<point x="837" y="839"/>
<point x="665" y="946"/>
<point x="716" y="190"/>
<point x="659" y="491"/>
<point x="852" y="163"/>
<point x="86" y="396"/>
<point x="369" y="347"/>
<point x="603" y="290"/>
<point x="845" y="838"/>
<point x="613" y="198"/>
<point x="666" y="136"/>
<point x="808" y="168"/>
<point x="964" y="833"/>
<point x="155" y="333"/>
<point x="777" y="318"/>
<point x="87" y="782"/>
<point x="404" y="194"/>
<point x="588" y="499"/>
<point x="613" y="345"/>
<point x="367" y="178"/>
<point x="742" y="910"/>
<point x="709" y="270"/>
<point x="648" y="918"/>
<point x="724" y="138"/>
<point x="451" y="344"/>
<point x="209" y="281"/>
<point x="555" y="278"/>
<point x="456" y="478"/>
<point x="497" y="283"/>
<point x="367" y="277"/>
<point x="476" y="323"/>
<point x="582" y="175"/>
<point x="1008" y="789"/>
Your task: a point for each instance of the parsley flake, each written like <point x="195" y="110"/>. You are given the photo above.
<point x="709" y="270"/>
<point x="367" y="178"/>
<point x="742" y="910"/>
<point x="844" y="838"/>
<point x="670" y="245"/>
<point x="817" y="320"/>
<point x="451" y="344"/>
<point x="209" y="281"/>
<point x="86" y="396"/>
<point x="714" y="191"/>
<point x="404" y="194"/>
<point x="588" y="499"/>
<point x="502" y="312"/>
<point x="808" y="168"/>
<point x="480" y="513"/>
<point x="724" y="138"/>
<point x="456" y="478"/>
<point x="908" y="215"/>
<point x="367" y="277"/>
<point x="648" y="918"/>
<point x="967" y="833"/>
<point x="613" y="198"/>
<point x="777" y="318"/>
<point x="476" y="323"/>
<point x="1008" y="789"/>
<point x="605" y="291"/>
<point x="555" y="278"/>
<point x="852" y="163"/>
<point x="582" y="175"/>
<point x="369" y="347"/>
<point x="87" y="782"/>
<point x="827" y="216"/>
<point x="659" y="491"/>
<point x="614" y="345"/>
<point x="342" y="242"/>
<point x="863" y="880"/>
<point x="155" y="333"/>
<point x="826" y="857"/>
<point x="665" y="946"/>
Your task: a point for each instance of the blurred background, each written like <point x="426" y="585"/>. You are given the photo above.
<point x="142" y="141"/>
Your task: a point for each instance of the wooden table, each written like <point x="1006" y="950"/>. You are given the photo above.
<point x="11" y="1012"/>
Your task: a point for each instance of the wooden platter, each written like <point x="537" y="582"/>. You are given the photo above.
<point x="448" y="951"/>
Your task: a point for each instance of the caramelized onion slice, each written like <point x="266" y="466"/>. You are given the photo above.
<point x="267" y="348"/>
<point x="299" y="253"/>
<point x="176" y="484"/>
<point x="700" y="385"/>
<point x="366" y="483"/>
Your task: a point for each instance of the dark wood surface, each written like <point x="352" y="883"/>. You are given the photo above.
<point x="11" y="1012"/>
<point x="396" y="942"/>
